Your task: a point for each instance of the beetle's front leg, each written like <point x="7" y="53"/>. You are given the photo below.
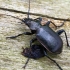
<point x="25" y="33"/>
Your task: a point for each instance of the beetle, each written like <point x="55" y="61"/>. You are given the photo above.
<point x="49" y="40"/>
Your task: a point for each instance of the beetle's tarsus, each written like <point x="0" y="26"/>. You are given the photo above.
<point x="26" y="63"/>
<point x="12" y="37"/>
<point x="68" y="45"/>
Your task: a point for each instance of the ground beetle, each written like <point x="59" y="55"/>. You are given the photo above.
<point x="49" y="40"/>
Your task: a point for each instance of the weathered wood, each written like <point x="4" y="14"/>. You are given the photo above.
<point x="36" y="14"/>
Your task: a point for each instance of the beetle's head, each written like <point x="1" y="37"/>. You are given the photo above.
<point x="33" y="24"/>
<point x="27" y="21"/>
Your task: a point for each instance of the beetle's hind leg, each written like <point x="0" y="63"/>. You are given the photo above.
<point x="60" y="32"/>
<point x="52" y="60"/>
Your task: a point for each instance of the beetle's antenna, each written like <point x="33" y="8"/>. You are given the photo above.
<point x="26" y="63"/>
<point x="29" y="9"/>
<point x="53" y="60"/>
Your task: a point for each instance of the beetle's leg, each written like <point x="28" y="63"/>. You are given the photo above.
<point x="33" y="40"/>
<point x="48" y="23"/>
<point x="38" y="19"/>
<point x="54" y="24"/>
<point x="26" y="63"/>
<point x="52" y="60"/>
<point x="60" y="32"/>
<point x="25" y="33"/>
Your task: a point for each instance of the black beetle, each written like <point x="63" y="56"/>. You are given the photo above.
<point x="49" y="40"/>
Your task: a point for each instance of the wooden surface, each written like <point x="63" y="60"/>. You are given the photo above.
<point x="53" y="8"/>
<point x="10" y="50"/>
